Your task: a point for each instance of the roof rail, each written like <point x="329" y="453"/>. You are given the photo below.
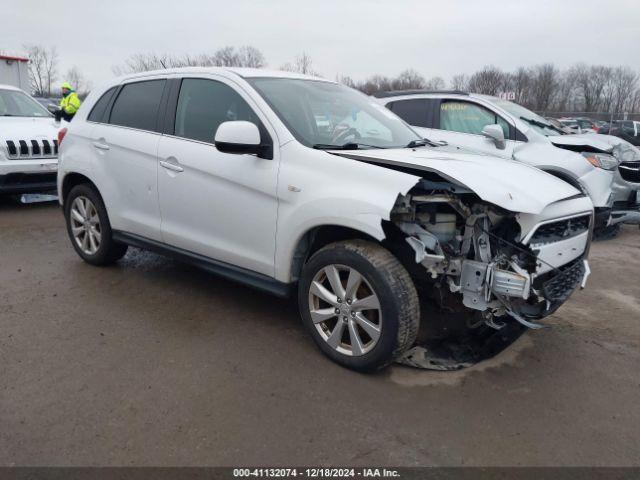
<point x="397" y="93"/>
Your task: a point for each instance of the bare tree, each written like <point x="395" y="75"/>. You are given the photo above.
<point x="246" y="56"/>
<point x="490" y="80"/>
<point x="435" y="83"/>
<point x="375" y="83"/>
<point x="302" y="64"/>
<point x="460" y="82"/>
<point x="43" y="68"/>
<point x="519" y="82"/>
<point x="408" y="80"/>
<point x="346" y="80"/>
<point x="77" y="81"/>
<point x="251" y="57"/>
<point x="623" y="83"/>
<point x="544" y="81"/>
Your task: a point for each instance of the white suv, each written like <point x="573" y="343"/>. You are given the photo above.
<point x="283" y="181"/>
<point x="486" y="124"/>
<point x="28" y="144"/>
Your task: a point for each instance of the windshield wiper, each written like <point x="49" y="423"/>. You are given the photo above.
<point x="423" y="142"/>
<point x="346" y="146"/>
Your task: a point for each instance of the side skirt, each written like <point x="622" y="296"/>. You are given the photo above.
<point x="231" y="272"/>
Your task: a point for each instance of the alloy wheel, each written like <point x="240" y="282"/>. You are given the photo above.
<point x="85" y="225"/>
<point x="345" y="310"/>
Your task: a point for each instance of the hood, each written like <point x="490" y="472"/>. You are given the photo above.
<point x="591" y="142"/>
<point x="511" y="185"/>
<point x="28" y="128"/>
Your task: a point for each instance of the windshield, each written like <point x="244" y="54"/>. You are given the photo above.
<point x="14" y="103"/>
<point x="326" y="115"/>
<point x="535" y="121"/>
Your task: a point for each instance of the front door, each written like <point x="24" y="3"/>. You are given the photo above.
<point x="460" y="123"/>
<point x="219" y="205"/>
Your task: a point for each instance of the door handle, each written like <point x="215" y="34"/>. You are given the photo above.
<point x="171" y="166"/>
<point x="101" y="146"/>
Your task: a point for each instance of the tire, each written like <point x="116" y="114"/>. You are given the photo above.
<point x="106" y="251"/>
<point x="386" y="331"/>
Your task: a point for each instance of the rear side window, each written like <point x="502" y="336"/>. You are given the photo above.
<point x="204" y="104"/>
<point x="465" y="117"/>
<point x="414" y="112"/>
<point x="99" y="109"/>
<point x="137" y="105"/>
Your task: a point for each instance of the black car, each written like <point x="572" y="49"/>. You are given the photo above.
<point x="629" y="130"/>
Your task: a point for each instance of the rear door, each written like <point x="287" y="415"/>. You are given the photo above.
<point x="127" y="147"/>
<point x="219" y="205"/>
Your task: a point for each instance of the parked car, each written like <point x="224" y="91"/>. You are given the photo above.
<point x="581" y="124"/>
<point x="626" y="129"/>
<point x="560" y="126"/>
<point x="490" y="125"/>
<point x="51" y="104"/>
<point x="28" y="144"/>
<point x="289" y="183"/>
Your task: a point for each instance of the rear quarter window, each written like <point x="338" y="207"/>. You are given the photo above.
<point x="99" y="110"/>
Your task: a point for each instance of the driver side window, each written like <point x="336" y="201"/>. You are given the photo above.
<point x="204" y="104"/>
<point x="466" y="117"/>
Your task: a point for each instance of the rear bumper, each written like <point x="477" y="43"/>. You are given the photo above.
<point x="13" y="183"/>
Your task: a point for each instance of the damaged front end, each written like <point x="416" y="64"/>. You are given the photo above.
<point x="485" y="262"/>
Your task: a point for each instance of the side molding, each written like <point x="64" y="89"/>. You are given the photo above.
<point x="231" y="272"/>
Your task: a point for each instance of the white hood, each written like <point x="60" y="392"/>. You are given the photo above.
<point x="592" y="140"/>
<point x="28" y="128"/>
<point x="511" y="185"/>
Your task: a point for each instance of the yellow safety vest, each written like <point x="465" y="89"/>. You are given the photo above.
<point x="71" y="103"/>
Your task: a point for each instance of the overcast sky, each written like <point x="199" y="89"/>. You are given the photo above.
<point x="350" y="37"/>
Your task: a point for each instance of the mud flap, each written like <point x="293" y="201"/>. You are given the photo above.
<point x="455" y="354"/>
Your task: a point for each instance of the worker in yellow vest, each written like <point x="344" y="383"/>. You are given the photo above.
<point x="69" y="104"/>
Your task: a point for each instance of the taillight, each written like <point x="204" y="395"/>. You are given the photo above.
<point x="61" y="133"/>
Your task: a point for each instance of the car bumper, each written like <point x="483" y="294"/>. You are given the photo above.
<point x="27" y="183"/>
<point x="28" y="176"/>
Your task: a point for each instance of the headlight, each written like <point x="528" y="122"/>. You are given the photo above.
<point x="601" y="160"/>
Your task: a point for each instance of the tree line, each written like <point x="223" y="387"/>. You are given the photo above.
<point x="543" y="88"/>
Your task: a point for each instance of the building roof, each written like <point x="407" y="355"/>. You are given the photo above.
<point x="10" y="58"/>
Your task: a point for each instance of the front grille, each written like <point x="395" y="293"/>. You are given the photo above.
<point x="560" y="230"/>
<point x="27" y="149"/>
<point x="630" y="171"/>
<point x="560" y="286"/>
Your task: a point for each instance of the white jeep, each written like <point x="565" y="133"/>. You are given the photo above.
<point x="28" y="144"/>
<point x="286" y="182"/>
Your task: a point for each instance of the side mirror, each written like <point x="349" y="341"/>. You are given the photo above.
<point x="241" y="137"/>
<point x="494" y="132"/>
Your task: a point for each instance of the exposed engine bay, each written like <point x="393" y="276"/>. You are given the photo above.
<point x="476" y="257"/>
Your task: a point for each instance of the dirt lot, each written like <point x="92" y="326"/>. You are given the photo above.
<point x="156" y="363"/>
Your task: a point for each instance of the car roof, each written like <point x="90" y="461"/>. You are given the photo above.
<point x="402" y="93"/>
<point x="239" y="71"/>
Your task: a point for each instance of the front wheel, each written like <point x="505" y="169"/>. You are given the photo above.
<point x="359" y="304"/>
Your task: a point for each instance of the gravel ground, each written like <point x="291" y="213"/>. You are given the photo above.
<point x="152" y="362"/>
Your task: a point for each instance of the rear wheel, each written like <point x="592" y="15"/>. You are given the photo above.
<point x="89" y="228"/>
<point x="359" y="304"/>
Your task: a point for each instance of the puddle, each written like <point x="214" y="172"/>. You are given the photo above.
<point x="411" y="377"/>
